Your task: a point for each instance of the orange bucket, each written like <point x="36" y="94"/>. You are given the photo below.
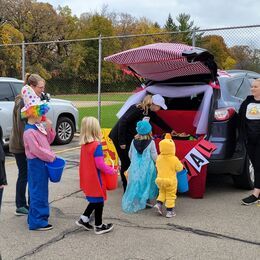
<point x="111" y="179"/>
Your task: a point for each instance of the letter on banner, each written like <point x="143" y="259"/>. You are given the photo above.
<point x="205" y="147"/>
<point x="191" y="171"/>
<point x="196" y="159"/>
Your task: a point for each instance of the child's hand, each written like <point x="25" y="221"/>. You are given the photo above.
<point x="48" y="123"/>
<point x="116" y="169"/>
<point x="2" y="186"/>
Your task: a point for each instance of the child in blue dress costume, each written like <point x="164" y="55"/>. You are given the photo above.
<point x="141" y="185"/>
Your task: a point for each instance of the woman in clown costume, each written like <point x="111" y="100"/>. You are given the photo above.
<point x="37" y="139"/>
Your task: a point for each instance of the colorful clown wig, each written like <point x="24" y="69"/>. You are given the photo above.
<point x="35" y="111"/>
<point x="33" y="106"/>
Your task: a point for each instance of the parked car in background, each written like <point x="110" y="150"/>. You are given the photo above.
<point x="63" y="114"/>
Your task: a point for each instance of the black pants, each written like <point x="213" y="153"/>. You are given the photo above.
<point x="98" y="208"/>
<point x="125" y="162"/>
<point x="253" y="150"/>
<point x="1" y="195"/>
<point x="21" y="183"/>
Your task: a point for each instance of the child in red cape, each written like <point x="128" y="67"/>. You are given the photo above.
<point x="91" y="171"/>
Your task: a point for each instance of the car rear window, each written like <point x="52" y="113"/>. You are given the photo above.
<point x="17" y="87"/>
<point x="6" y="93"/>
<point x="238" y="87"/>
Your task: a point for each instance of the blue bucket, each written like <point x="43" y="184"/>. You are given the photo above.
<point x="55" y="169"/>
<point x="183" y="185"/>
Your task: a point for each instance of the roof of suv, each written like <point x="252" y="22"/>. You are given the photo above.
<point x="243" y="72"/>
<point x="3" y="79"/>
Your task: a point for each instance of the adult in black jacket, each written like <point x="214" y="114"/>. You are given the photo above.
<point x="3" y="181"/>
<point x="249" y="114"/>
<point x="124" y="131"/>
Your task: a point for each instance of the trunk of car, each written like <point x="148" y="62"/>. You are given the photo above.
<point x="190" y="116"/>
<point x="182" y="122"/>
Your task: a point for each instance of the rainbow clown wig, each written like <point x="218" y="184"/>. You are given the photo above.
<point x="33" y="106"/>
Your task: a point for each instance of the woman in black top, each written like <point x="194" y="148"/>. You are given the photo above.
<point x="124" y="131"/>
<point x="249" y="113"/>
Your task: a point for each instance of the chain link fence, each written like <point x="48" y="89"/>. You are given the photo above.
<point x="75" y="70"/>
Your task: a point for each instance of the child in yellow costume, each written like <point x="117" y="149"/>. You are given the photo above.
<point x="167" y="165"/>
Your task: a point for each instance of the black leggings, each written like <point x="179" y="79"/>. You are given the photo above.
<point x="253" y="150"/>
<point x="125" y="162"/>
<point x="98" y="207"/>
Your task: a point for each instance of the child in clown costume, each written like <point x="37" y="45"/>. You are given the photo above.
<point x="167" y="165"/>
<point x="91" y="171"/>
<point x="141" y="185"/>
<point x="37" y="140"/>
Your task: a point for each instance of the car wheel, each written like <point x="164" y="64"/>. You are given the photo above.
<point x="246" y="179"/>
<point x="64" y="131"/>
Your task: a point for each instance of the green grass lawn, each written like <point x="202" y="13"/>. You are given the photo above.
<point x="108" y="114"/>
<point x="94" y="97"/>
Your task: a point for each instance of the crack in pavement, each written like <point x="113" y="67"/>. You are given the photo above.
<point x="201" y="232"/>
<point x="195" y="231"/>
<point x="167" y="227"/>
<point x="65" y="196"/>
<point x="50" y="242"/>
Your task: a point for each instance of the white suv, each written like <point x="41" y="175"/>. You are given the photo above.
<point x="63" y="114"/>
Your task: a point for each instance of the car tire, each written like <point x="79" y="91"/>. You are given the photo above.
<point x="246" y="179"/>
<point x="64" y="131"/>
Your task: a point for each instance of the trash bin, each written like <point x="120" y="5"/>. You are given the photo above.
<point x="55" y="169"/>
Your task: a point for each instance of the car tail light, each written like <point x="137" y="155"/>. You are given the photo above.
<point x="223" y="114"/>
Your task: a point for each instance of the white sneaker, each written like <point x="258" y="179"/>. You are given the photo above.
<point x="158" y="206"/>
<point x="170" y="213"/>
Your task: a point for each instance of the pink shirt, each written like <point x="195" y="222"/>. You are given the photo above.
<point x="37" y="145"/>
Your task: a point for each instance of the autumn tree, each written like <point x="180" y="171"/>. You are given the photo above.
<point x="10" y="56"/>
<point x="183" y="30"/>
<point x="216" y="45"/>
<point x="246" y="57"/>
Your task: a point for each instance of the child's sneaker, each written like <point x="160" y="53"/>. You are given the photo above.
<point x="170" y="213"/>
<point x="252" y="199"/>
<point x="149" y="205"/>
<point x="48" y="227"/>
<point x="105" y="228"/>
<point x="83" y="224"/>
<point x="22" y="211"/>
<point x="158" y="206"/>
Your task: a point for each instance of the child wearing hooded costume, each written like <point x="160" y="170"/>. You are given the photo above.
<point x="167" y="166"/>
<point x="141" y="172"/>
<point x="37" y="140"/>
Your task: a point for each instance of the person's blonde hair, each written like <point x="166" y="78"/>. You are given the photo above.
<point x="145" y="104"/>
<point x="32" y="79"/>
<point x="90" y="130"/>
<point x="143" y="137"/>
<point x="256" y="80"/>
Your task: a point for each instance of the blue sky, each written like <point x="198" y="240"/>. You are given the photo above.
<point x="204" y="13"/>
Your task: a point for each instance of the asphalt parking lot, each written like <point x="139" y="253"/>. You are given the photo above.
<point x="215" y="227"/>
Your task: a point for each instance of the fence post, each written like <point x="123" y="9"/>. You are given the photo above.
<point x="23" y="60"/>
<point x="193" y="38"/>
<point x="99" y="77"/>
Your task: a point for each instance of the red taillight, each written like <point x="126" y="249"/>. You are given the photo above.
<point x="223" y="114"/>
